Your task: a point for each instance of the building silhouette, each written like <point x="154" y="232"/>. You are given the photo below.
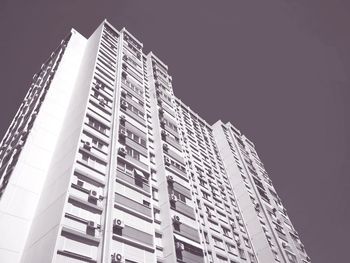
<point x="102" y="163"/>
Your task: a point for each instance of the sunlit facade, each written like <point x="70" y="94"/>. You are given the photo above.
<point x="102" y="163"/>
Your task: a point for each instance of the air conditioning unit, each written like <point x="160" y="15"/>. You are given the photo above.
<point x="117" y="258"/>
<point x="122" y="150"/>
<point x="118" y="223"/>
<point x="124" y="75"/>
<point x="123" y="93"/>
<point x="87" y="146"/>
<point x="179" y="246"/>
<point x="274" y="210"/>
<point x="92" y="224"/>
<point x="238" y="242"/>
<point x="257" y="207"/>
<point x="122" y="133"/>
<point x="233" y="225"/>
<point x="176" y="219"/>
<point x="102" y="102"/>
<point x="167" y="161"/>
<point x="93" y="195"/>
<point x="122" y="118"/>
<point x="159" y="91"/>
<point x="284" y="244"/>
<point x="209" y="214"/>
<point x="278" y="221"/>
<point x="123" y="104"/>
<point x="162" y="122"/>
<point x="165" y="146"/>
<point x="170" y="178"/>
<point x="173" y="198"/>
<point x="164" y="133"/>
<point x="24" y="132"/>
<point x="161" y="111"/>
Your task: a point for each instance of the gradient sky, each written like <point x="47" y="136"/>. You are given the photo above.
<point x="277" y="69"/>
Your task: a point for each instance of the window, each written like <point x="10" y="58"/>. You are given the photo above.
<point x="158" y="240"/>
<point x="97" y="143"/>
<point x="202" y="182"/>
<point x="177" y="165"/>
<point x="153" y="174"/>
<point x="93" y="162"/>
<point x="241" y="253"/>
<point x="135" y="110"/>
<point x="221" y="259"/>
<point x="97" y="125"/>
<point x="206" y="237"/>
<point x="205" y="195"/>
<point x="152" y="158"/>
<point x="252" y="258"/>
<point x="154" y="194"/>
<point x="218" y="242"/>
<point x="133" y="153"/>
<point x="133" y="87"/>
<point x="171" y="125"/>
<point x="180" y="196"/>
<point x="226" y="231"/>
<point x="230" y="247"/>
<point x="136" y="138"/>
<point x="246" y="242"/>
<point x="135" y="99"/>
<point x="156" y="214"/>
<point x="125" y="167"/>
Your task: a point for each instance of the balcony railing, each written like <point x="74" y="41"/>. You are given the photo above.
<point x="131" y="204"/>
<point x="133" y="181"/>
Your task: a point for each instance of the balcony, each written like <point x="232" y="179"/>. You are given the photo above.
<point x="175" y="156"/>
<point x="136" y="146"/>
<point x="187" y="231"/>
<point x="181" y="189"/>
<point x="131" y="91"/>
<point x="133" y="115"/>
<point x="89" y="172"/>
<point x="172" y="142"/>
<point x="137" y="183"/>
<point x="168" y="109"/>
<point x="129" y="234"/>
<point x="136" y="162"/>
<point x="129" y="204"/>
<point x="170" y="130"/>
<point x="184" y="209"/>
<point x="178" y="171"/>
<point x="135" y="104"/>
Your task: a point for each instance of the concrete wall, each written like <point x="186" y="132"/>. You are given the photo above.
<point x="40" y="247"/>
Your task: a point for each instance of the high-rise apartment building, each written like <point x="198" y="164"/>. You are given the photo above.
<point x="102" y="163"/>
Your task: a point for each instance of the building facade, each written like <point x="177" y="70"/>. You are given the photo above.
<point x="102" y="163"/>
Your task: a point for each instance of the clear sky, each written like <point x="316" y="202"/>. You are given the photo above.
<point x="277" y="69"/>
